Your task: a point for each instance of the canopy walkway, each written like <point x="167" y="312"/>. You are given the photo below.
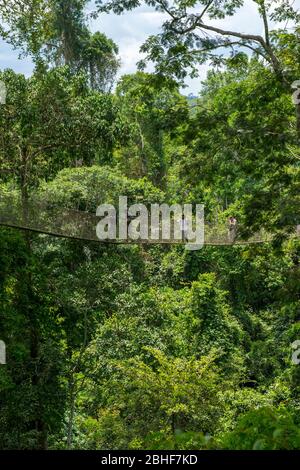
<point x="44" y="218"/>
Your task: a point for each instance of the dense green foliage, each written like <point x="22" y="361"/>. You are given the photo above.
<point x="150" y="347"/>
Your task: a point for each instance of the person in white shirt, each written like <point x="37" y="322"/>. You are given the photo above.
<point x="232" y="228"/>
<point x="184" y="228"/>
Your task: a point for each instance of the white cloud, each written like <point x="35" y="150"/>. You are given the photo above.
<point x="9" y="59"/>
<point x="131" y="29"/>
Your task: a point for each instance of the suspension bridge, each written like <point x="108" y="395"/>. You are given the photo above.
<point x="44" y="218"/>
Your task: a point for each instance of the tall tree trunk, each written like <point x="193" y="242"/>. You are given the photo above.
<point x="39" y="424"/>
<point x="72" y="411"/>
<point x="298" y="120"/>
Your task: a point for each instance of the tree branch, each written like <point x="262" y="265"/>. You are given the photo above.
<point x="205" y="10"/>
<point x="225" y="45"/>
<point x="265" y="20"/>
<point x="269" y="56"/>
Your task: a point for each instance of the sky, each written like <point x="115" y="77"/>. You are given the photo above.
<point x="131" y="29"/>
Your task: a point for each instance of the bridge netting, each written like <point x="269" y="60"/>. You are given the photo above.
<point x="46" y="217"/>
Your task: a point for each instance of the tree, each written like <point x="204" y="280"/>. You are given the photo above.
<point x="65" y="36"/>
<point x="264" y="429"/>
<point x="189" y="36"/>
<point x="99" y="60"/>
<point x="24" y="23"/>
<point x="68" y="41"/>
<point x="154" y="108"/>
<point x="53" y="120"/>
<point x="241" y="149"/>
<point x="56" y="32"/>
<point x="138" y="346"/>
<point x="165" y="396"/>
<point x="32" y="396"/>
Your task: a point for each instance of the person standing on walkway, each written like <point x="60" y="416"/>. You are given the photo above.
<point x="232" y="228"/>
